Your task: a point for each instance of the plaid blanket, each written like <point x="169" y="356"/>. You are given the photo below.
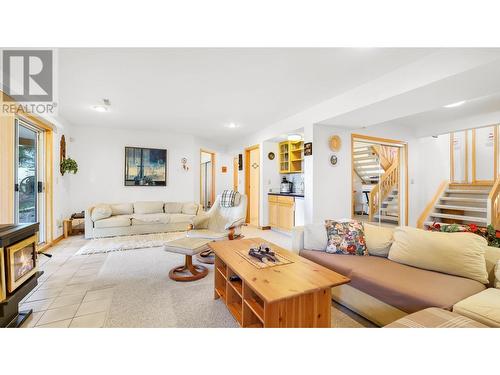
<point x="227" y="198"/>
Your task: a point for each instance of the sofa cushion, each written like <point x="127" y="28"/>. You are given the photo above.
<point x="345" y="237"/>
<point x="189" y="208"/>
<point x="460" y="254"/>
<point x="113" y="222"/>
<point x="435" y="318"/>
<point x="492" y="256"/>
<point x="315" y="237"/>
<point x="408" y="288"/>
<point x="181" y="218"/>
<point x="378" y="239"/>
<point x="483" y="307"/>
<point x="101" y="211"/>
<point x="148" y="207"/>
<point x="148" y="219"/>
<point x="173" y="207"/>
<point x="122" y="209"/>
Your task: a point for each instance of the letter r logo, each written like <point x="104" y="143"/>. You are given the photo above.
<point x="28" y="75"/>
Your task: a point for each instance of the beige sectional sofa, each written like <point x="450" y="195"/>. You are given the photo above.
<point x="383" y="290"/>
<point x="121" y="219"/>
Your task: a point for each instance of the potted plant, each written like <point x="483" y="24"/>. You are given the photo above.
<point x="69" y="165"/>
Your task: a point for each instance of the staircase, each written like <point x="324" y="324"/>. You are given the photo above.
<point x="367" y="165"/>
<point x="460" y="204"/>
<point x="389" y="209"/>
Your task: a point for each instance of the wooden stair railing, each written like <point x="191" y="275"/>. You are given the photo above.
<point x="430" y="206"/>
<point x="380" y="191"/>
<point x="493" y="210"/>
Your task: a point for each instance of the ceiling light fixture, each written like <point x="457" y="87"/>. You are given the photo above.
<point x="232" y="125"/>
<point x="102" y="107"/>
<point x="294" y="137"/>
<point x="453" y="105"/>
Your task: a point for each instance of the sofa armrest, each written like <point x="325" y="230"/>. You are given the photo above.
<point x="89" y="224"/>
<point x="297" y="239"/>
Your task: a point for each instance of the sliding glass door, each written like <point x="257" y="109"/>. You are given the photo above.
<point x="29" y="197"/>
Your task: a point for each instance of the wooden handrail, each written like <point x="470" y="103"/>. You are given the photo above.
<point x="430" y="206"/>
<point x="386" y="183"/>
<point x="493" y="210"/>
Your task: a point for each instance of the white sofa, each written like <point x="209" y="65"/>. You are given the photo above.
<point x="122" y="219"/>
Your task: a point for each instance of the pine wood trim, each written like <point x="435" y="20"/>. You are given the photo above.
<point x="493" y="213"/>
<point x="427" y="210"/>
<point x="247" y="180"/>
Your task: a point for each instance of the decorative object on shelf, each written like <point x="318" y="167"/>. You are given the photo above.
<point x="224" y="169"/>
<point x="271" y="156"/>
<point x="184" y="164"/>
<point x="69" y="165"/>
<point x="335" y="143"/>
<point x="145" y="166"/>
<point x="308" y="149"/>
<point x="333" y="159"/>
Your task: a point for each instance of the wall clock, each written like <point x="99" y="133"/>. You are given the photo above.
<point x="271" y="156"/>
<point x="335" y="143"/>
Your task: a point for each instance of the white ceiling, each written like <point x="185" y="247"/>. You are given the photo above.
<point x="198" y="91"/>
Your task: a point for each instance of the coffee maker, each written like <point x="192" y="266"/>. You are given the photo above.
<point x="286" y="186"/>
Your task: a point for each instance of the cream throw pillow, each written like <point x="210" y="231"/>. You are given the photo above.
<point x="460" y="254"/>
<point x="173" y="207"/>
<point x="378" y="239"/>
<point x="101" y="211"/>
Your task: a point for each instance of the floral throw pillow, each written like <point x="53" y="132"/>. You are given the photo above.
<point x="346" y="238"/>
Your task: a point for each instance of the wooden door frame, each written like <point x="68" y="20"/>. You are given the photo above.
<point x="235" y="173"/>
<point x="212" y="160"/>
<point x="247" y="181"/>
<point x="495" y="156"/>
<point x="389" y="142"/>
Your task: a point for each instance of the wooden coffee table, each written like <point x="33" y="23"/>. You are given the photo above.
<point x="297" y="294"/>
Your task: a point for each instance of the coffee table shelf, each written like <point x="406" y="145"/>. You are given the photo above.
<point x="273" y="297"/>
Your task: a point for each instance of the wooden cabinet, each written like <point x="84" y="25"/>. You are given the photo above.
<point x="291" y="156"/>
<point x="281" y="212"/>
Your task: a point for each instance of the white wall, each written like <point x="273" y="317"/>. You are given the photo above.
<point x="270" y="176"/>
<point x="100" y="156"/>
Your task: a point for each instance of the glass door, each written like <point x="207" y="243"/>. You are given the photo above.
<point x="28" y="171"/>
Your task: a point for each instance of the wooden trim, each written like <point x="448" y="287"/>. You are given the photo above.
<point x="212" y="160"/>
<point x="493" y="205"/>
<point x="452" y="157"/>
<point x="427" y="210"/>
<point x="235" y="173"/>
<point x="378" y="139"/>
<point x="390" y="142"/>
<point x="466" y="156"/>
<point x="49" y="191"/>
<point x="247" y="181"/>
<point x="7" y="152"/>
<point x="48" y="245"/>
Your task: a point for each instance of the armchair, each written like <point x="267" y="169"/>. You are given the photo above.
<point x="219" y="223"/>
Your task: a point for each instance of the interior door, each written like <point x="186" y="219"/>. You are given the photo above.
<point x="29" y="207"/>
<point x="254" y="176"/>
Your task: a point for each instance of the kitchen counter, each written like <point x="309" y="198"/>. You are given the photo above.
<point x="297" y="195"/>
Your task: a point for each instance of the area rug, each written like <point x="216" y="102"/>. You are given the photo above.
<point x="138" y="241"/>
<point x="144" y="296"/>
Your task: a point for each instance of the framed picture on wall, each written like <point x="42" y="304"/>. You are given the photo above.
<point x="145" y="166"/>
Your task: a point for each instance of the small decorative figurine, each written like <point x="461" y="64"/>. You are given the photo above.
<point x="184" y="164"/>
<point x="263" y="252"/>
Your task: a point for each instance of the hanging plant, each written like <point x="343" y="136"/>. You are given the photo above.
<point x="69" y="165"/>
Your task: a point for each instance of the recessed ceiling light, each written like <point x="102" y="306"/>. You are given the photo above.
<point x="232" y="125"/>
<point x="100" y="108"/>
<point x="453" y="105"/>
<point x="294" y="137"/>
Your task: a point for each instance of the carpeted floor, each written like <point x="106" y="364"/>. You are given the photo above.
<point x="144" y="296"/>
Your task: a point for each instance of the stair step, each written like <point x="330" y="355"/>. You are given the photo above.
<point x="459" y="217"/>
<point x="387" y="218"/>
<point x="366" y="163"/>
<point x="465" y="199"/>
<point x="468" y="191"/>
<point x="463" y="208"/>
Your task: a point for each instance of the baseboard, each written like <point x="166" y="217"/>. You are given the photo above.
<point x="42" y="248"/>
